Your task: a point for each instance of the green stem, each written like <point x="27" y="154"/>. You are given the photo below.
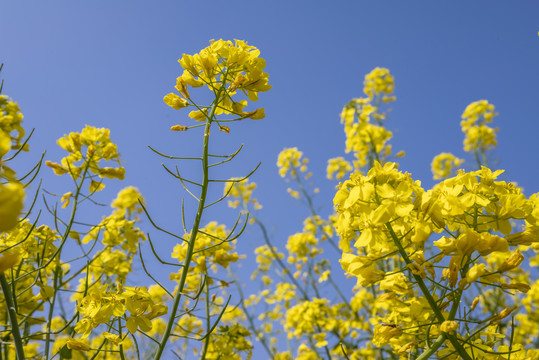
<point x="426" y="293"/>
<point x="121" y="338"/>
<point x="314" y="214"/>
<point x="12" y="317"/>
<point x="477" y="160"/>
<point x="51" y="311"/>
<point x="208" y="322"/>
<point x="433" y="348"/>
<point x="194" y="231"/>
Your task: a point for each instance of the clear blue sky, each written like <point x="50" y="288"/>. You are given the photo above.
<point x="109" y="64"/>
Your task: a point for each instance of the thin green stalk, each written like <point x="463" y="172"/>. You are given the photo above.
<point x="51" y="311"/>
<point x="314" y="214"/>
<point x="278" y="260"/>
<point x="258" y="333"/>
<point x="121" y="337"/>
<point x="12" y="317"/>
<point x="194" y="231"/>
<point x="208" y="323"/>
<point x="344" y="351"/>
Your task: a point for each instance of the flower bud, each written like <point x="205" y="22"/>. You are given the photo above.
<point x="504" y="313"/>
<point x="474" y="304"/>
<point x="175" y="101"/>
<point x="181" y="86"/>
<point x="511" y="262"/>
<point x="449" y="326"/>
<point x="523" y="288"/>
<point x="75" y="344"/>
<point x="179" y="128"/>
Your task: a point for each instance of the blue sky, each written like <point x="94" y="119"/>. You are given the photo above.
<point x="109" y="64"/>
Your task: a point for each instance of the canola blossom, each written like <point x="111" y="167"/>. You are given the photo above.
<point x="396" y="271"/>
<point x="225" y="68"/>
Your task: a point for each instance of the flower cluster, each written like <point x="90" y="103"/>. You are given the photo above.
<point x="379" y="83"/>
<point x="214" y="249"/>
<point x="86" y="150"/>
<point x="120" y="237"/>
<point x="444" y="164"/>
<point x="101" y="306"/>
<point x="11" y="191"/>
<point x="314" y="317"/>
<point x="34" y="247"/>
<point x="386" y="213"/>
<point x="226" y="68"/>
<point x="11" y="204"/>
<point x="11" y="130"/>
<point x="446" y="272"/>
<point x="42" y="275"/>
<point x="479" y="136"/>
<point x="291" y="161"/>
<point x="338" y="168"/>
<point x="239" y="192"/>
<point x="438" y="272"/>
<point x="366" y="138"/>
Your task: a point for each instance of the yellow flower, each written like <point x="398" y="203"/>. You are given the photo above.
<point x="385" y="332"/>
<point x="128" y="201"/>
<point x="112" y="337"/>
<point x="511" y="262"/>
<point x="475" y="273"/>
<point x="199" y="115"/>
<point x="98" y="147"/>
<point x="96" y="186"/>
<point x="75" y="344"/>
<point x="293" y="193"/>
<point x="504" y="313"/>
<point x="444" y="164"/>
<point x="337" y="168"/>
<point x="11" y="204"/>
<point x="134" y="322"/>
<point x="290" y="160"/>
<point x="112" y="173"/>
<point x="320" y="339"/>
<point x="240" y="192"/>
<point x="226" y="67"/>
<point x="523" y="288"/>
<point x="378" y="82"/>
<point x="5" y="143"/>
<point x="255" y="115"/>
<point x="475" y="119"/>
<point x="10" y="124"/>
<point x="179" y="128"/>
<point x="396" y="283"/>
<point x="66" y="199"/>
<point x="310" y="317"/>
<point x="175" y="101"/>
<point x="8" y="260"/>
<point x="449" y="326"/>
